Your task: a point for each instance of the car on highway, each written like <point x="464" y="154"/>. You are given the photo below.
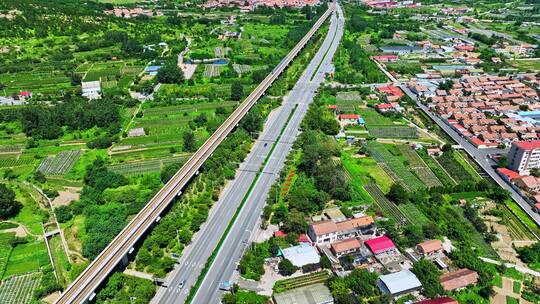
<point x="181" y="284"/>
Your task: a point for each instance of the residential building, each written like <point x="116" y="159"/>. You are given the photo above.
<point x="328" y="231"/>
<point x="430" y="247"/>
<point x="524" y="156"/>
<point x="399" y="283"/>
<point x="458" y="279"/>
<point x="528" y="183"/>
<point x="311" y="294"/>
<point x="344" y="247"/>
<point x="380" y="244"/>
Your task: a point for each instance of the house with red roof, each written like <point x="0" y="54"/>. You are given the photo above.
<point x="25" y="94"/>
<point x="386" y="58"/>
<point x="380" y="244"/>
<point x="507" y="174"/>
<point x="392" y="93"/>
<point x="349" y="119"/>
<point x="441" y="300"/>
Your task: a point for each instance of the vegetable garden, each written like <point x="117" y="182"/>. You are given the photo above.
<point x="401" y="173"/>
<point x="19" y="289"/>
<point x="59" y="164"/>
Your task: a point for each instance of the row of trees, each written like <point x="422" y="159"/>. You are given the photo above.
<point x="42" y="121"/>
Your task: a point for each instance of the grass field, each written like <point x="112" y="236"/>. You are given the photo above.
<point x="26" y="258"/>
<point x="61" y="262"/>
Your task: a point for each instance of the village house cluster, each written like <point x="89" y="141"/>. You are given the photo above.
<point x="355" y="242"/>
<point x="121" y="12"/>
<point x="489" y="111"/>
<point x="249" y="5"/>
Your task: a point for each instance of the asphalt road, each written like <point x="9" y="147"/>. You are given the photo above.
<point x="480" y="156"/>
<point x="301" y="96"/>
<point x="197" y="253"/>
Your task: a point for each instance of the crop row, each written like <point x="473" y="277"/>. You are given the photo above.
<point x="241" y="68"/>
<point x="19" y="289"/>
<point x="59" y="164"/>
<point x="385" y="205"/>
<point x="393" y="132"/>
<point x="305" y="280"/>
<point x="419" y="167"/>
<point x="148" y="166"/>
<point x="450" y="164"/>
<point x="381" y="155"/>
<point x="7" y="161"/>
<point x="212" y="70"/>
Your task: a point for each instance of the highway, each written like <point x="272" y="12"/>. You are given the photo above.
<point x="204" y="243"/>
<point x="83" y="287"/>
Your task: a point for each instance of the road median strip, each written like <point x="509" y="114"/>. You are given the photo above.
<point x="215" y="252"/>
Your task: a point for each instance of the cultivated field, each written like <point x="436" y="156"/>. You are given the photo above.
<point x="419" y="167"/>
<point x="400" y="173"/>
<point x="148" y="166"/>
<point x="386" y="206"/>
<point x="19" y="289"/>
<point x="213" y="70"/>
<point x="59" y="164"/>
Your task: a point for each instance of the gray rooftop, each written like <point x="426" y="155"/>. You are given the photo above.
<point x="399" y="282"/>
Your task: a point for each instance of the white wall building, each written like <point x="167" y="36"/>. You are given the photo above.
<point x="524" y="156"/>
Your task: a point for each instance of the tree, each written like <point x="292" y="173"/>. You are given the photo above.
<point x="503" y="162"/>
<point x="398" y="194"/>
<point x="286" y="268"/>
<point x="325" y="262"/>
<point x="428" y="274"/>
<point x="189" y="141"/>
<point x="295" y="222"/>
<point x="170" y="73"/>
<point x="63" y="214"/>
<point x="535" y="172"/>
<point x="237" y="90"/>
<point x="9" y="207"/>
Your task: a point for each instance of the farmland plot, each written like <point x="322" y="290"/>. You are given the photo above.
<point x="19" y="289"/>
<point x="148" y="166"/>
<point x="386" y="206"/>
<point x="348" y="96"/>
<point x="448" y="161"/>
<point x="392" y="131"/>
<point x="419" y="167"/>
<point x="241" y="68"/>
<point x="59" y="164"/>
<point x="403" y="175"/>
<point x="11" y="160"/>
<point x="213" y="70"/>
